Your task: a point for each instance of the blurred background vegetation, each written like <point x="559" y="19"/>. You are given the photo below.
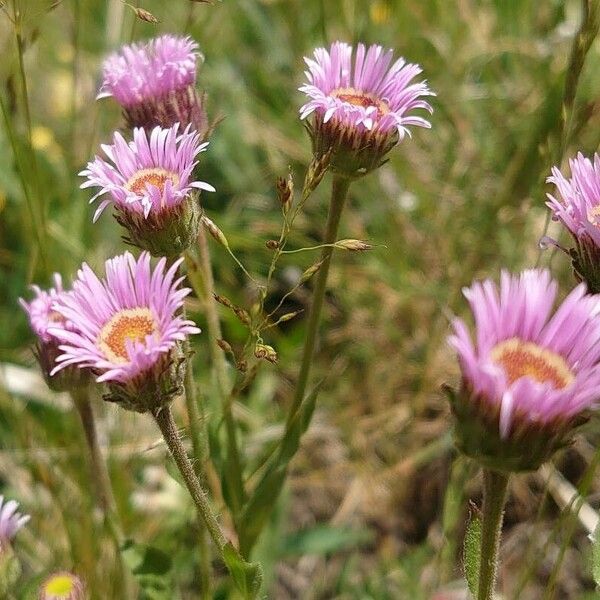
<point x="366" y="512"/>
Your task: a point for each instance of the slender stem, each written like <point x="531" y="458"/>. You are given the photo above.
<point x="220" y="366"/>
<point x="199" y="435"/>
<point x="339" y="193"/>
<point x="101" y="479"/>
<point x="166" y="424"/>
<point x="494" y="498"/>
<point x="99" y="471"/>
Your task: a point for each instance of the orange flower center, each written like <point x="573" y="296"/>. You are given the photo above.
<point x="156" y="177"/>
<point x="594" y="215"/>
<point x="129" y="324"/>
<point x="364" y="99"/>
<point x="525" y="359"/>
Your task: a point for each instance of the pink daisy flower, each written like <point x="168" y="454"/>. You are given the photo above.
<point x="149" y="174"/>
<point x="365" y="91"/>
<point x="10" y="520"/>
<point x="40" y="312"/>
<point x="530" y="374"/>
<point x="577" y="207"/>
<point x="43" y="317"/>
<point x="151" y="183"/>
<point x="128" y="325"/>
<point x="154" y="83"/>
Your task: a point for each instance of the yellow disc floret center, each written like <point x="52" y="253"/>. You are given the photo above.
<point x="60" y="585"/>
<point x="359" y="98"/>
<point x="156" y="177"/>
<point x="130" y="324"/>
<point x="526" y="359"/>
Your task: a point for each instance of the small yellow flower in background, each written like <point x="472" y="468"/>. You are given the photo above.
<point x="63" y="586"/>
<point x="380" y="12"/>
<point x="42" y="138"/>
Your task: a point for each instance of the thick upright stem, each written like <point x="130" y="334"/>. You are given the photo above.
<point x="164" y="420"/>
<point x="218" y="360"/>
<point x="338" y="200"/>
<point x="494" y="498"/>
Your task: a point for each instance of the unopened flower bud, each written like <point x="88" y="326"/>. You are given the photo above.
<point x="289" y="316"/>
<point x="145" y="15"/>
<point x="214" y="231"/>
<point x="353" y="245"/>
<point x="272" y="244"/>
<point x="310" y="272"/>
<point x="262" y="351"/>
<point x="242" y="315"/>
<point x="222" y="300"/>
<point x="285" y="192"/>
<point x="225" y="346"/>
<point x="63" y="586"/>
<point x="316" y="171"/>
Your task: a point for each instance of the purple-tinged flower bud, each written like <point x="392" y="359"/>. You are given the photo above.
<point x="531" y="376"/>
<point x="63" y="586"/>
<point x="42" y="316"/>
<point x="362" y="105"/>
<point x="577" y="207"/>
<point x="128" y="330"/>
<point x="151" y="184"/>
<point x="154" y="83"/>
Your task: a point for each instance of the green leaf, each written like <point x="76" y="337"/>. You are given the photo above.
<point x="323" y="540"/>
<point x="246" y="576"/>
<point x="472" y="554"/>
<point x="259" y="506"/>
<point x="151" y="568"/>
<point x="596" y="556"/>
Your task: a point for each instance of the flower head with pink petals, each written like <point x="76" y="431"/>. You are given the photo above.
<point x="577" y="206"/>
<point x="530" y="375"/>
<point x="363" y="102"/>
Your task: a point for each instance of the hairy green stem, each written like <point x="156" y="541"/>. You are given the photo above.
<point x="339" y="193"/>
<point x="494" y="497"/>
<point x="199" y="436"/>
<point x="234" y="472"/>
<point x="166" y="424"/>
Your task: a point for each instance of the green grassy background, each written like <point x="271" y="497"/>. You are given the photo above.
<point x="361" y="517"/>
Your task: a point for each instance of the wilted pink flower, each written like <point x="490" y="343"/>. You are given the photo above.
<point x="362" y="99"/>
<point x="154" y="83"/>
<point x="577" y="206"/>
<point x="62" y="586"/>
<point x="150" y="181"/>
<point x="128" y="324"/>
<point x="10" y="520"/>
<point x="530" y="374"/>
